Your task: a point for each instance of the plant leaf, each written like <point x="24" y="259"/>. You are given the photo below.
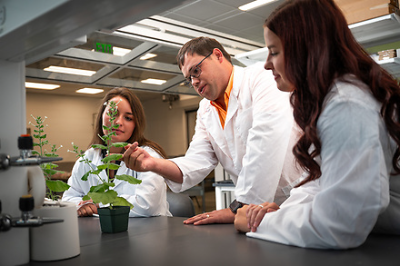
<point x="119" y="201"/>
<point x="99" y="146"/>
<point x="86" y="197"/>
<point x="113" y="166"/>
<point x="103" y="197"/>
<point x="85" y="176"/>
<point x="102" y="167"/>
<point x="119" y="144"/>
<point x="49" y="172"/>
<point x="112" y="157"/>
<point x="96" y="172"/>
<point x="57" y="185"/>
<point x="101" y="187"/>
<point x="129" y="179"/>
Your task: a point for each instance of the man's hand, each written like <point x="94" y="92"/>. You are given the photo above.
<point x="224" y="216"/>
<point x="136" y="158"/>
<point x="87" y="208"/>
<point x="240" y="221"/>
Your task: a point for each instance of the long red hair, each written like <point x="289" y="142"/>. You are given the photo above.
<point x="318" y="48"/>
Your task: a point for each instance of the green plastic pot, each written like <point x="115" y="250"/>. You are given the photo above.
<point x="114" y="220"/>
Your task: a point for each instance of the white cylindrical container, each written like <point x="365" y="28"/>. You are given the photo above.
<point x="56" y="241"/>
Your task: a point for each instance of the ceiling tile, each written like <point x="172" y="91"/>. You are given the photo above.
<point x="204" y="10"/>
<point x="241" y="21"/>
<point x="234" y="3"/>
<point x="184" y="19"/>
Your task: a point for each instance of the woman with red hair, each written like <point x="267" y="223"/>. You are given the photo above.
<point x="348" y="108"/>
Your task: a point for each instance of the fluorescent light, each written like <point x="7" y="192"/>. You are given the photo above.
<point x="89" y="90"/>
<point x="120" y="51"/>
<point x="154" y="81"/>
<point x="41" y="86"/>
<point x="68" y="70"/>
<point x="255" y="4"/>
<point x="148" y="56"/>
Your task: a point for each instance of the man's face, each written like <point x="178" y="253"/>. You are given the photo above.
<point x="203" y="76"/>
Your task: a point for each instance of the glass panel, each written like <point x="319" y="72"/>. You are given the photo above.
<point x="138" y="75"/>
<point x="117" y="41"/>
<point x="165" y="55"/>
<point x="52" y="61"/>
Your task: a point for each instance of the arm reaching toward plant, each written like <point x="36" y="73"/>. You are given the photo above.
<point x="140" y="160"/>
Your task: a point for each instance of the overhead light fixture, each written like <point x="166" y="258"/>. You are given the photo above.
<point x="68" y="70"/>
<point x="154" y="81"/>
<point x="89" y="90"/>
<point x="148" y="56"/>
<point x="255" y="4"/>
<point x="41" y="86"/>
<point x="120" y="51"/>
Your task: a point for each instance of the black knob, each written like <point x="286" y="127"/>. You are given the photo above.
<point x="26" y="203"/>
<point x="25" y="142"/>
<point x="5" y="221"/>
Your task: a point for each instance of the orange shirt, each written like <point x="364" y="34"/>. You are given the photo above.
<point x="222" y="111"/>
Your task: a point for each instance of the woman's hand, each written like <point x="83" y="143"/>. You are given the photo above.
<point x="255" y="213"/>
<point x="87" y="208"/>
<point x="249" y="217"/>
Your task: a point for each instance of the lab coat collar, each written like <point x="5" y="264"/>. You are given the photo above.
<point x="211" y="118"/>
<point x="233" y="99"/>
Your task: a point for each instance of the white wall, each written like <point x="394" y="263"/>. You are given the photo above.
<point x="168" y="126"/>
<point x="70" y="119"/>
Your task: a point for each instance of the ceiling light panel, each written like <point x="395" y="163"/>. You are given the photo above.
<point x="68" y="70"/>
<point x="41" y="86"/>
<point x="90" y="91"/>
<point x="255" y="4"/>
<point x="153" y="81"/>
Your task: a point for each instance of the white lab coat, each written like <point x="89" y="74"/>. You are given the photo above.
<point x="148" y="198"/>
<point x="340" y="209"/>
<point x="255" y="146"/>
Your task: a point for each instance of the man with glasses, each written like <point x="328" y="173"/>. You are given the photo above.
<point x="244" y="122"/>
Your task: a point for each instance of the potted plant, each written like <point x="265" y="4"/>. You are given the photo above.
<point x="53" y="186"/>
<point x="114" y="216"/>
<point x="45" y="244"/>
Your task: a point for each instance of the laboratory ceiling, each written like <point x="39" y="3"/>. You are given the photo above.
<point x="141" y="54"/>
<point x="160" y="35"/>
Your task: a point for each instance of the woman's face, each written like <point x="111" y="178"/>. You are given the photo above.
<point x="124" y="119"/>
<point x="275" y="60"/>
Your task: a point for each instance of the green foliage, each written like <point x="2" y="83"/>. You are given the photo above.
<point x="102" y="193"/>
<point x="53" y="186"/>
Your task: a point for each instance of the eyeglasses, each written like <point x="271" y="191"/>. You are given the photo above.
<point x="195" y="72"/>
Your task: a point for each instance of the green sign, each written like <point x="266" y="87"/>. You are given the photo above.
<point x="104" y="48"/>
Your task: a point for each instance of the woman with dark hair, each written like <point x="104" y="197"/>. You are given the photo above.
<point x="349" y="110"/>
<point x="149" y="198"/>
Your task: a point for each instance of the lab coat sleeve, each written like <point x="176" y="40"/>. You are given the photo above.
<point x="200" y="158"/>
<point x="148" y="198"/>
<point x="267" y="141"/>
<point x="353" y="185"/>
